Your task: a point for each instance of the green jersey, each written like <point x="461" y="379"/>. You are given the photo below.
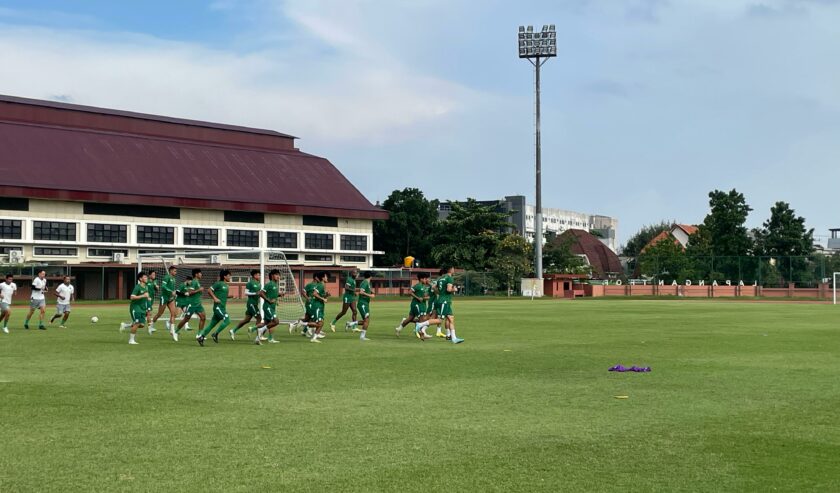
<point x="419" y="290"/>
<point x="182" y="290"/>
<point x="349" y="289"/>
<point x="139" y="304"/>
<point x="443" y="295"/>
<point x="253" y="286"/>
<point x="195" y="298"/>
<point x="322" y="292"/>
<point x="220" y="289"/>
<point x="167" y="287"/>
<point x="364" y="287"/>
<point x="153" y="287"/>
<point x="272" y="292"/>
<point x="309" y="290"/>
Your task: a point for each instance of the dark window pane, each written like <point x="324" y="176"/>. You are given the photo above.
<point x="201" y="236"/>
<point x="243" y="238"/>
<point x="56" y="251"/>
<point x="318" y="241"/>
<point x="354" y="242"/>
<point x="244" y="217"/>
<point x="132" y="210"/>
<point x="107" y="233"/>
<point x="320" y="221"/>
<point x="54" y="231"/>
<point x="13" y="204"/>
<point x="10" y="229"/>
<point x="356" y="259"/>
<point x="105" y="252"/>
<point x="282" y="239"/>
<point x="318" y="258"/>
<point x="156" y="235"/>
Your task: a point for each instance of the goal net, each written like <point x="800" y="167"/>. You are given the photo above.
<point x="240" y="263"/>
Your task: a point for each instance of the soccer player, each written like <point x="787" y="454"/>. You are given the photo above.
<point x="446" y="288"/>
<point x="252" y="305"/>
<point x="270" y="294"/>
<point x="348" y="301"/>
<point x="139" y="303"/>
<point x="182" y="301"/>
<point x="432" y="306"/>
<point x="194" y="290"/>
<point x="317" y="294"/>
<point x="64" y="294"/>
<point x="153" y="286"/>
<point x="365" y="295"/>
<point x="418" y="311"/>
<point x="7" y="290"/>
<point x="167" y="297"/>
<point x="37" y="300"/>
<point x="219" y="294"/>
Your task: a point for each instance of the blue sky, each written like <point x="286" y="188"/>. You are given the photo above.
<point x="649" y="105"/>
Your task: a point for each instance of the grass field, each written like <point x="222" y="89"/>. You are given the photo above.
<point x="742" y="397"/>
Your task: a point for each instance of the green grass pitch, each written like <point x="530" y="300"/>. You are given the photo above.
<point x="742" y="397"/>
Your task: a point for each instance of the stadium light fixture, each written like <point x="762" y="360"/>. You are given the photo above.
<point x="537" y="48"/>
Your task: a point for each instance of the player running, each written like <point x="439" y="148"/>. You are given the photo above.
<point x="7" y="291"/>
<point x="153" y="286"/>
<point x="418" y="310"/>
<point x="446" y="288"/>
<point x="194" y="290"/>
<point x="64" y="294"/>
<point x="219" y="294"/>
<point x="167" y="297"/>
<point x="431" y="305"/>
<point x="252" y="305"/>
<point x="137" y="308"/>
<point x="348" y="301"/>
<point x="270" y="293"/>
<point x="365" y="295"/>
<point x="317" y="294"/>
<point x="37" y="300"/>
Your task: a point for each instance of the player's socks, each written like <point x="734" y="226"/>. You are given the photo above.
<point x="26" y="324"/>
<point x="41" y="326"/>
<point x="131" y="339"/>
<point x="363" y="337"/>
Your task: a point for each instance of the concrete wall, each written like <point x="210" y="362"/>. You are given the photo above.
<point x="822" y="292"/>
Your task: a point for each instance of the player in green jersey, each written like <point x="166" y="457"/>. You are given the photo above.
<point x="365" y="295"/>
<point x="304" y="323"/>
<point x="317" y="294"/>
<point x="348" y="301"/>
<point x="431" y="305"/>
<point x="139" y="303"/>
<point x="153" y="286"/>
<point x="182" y="301"/>
<point x="418" y="310"/>
<point x="446" y="288"/>
<point x="219" y="293"/>
<point x="194" y="290"/>
<point x="167" y="297"/>
<point x="270" y="293"/>
<point x="252" y="303"/>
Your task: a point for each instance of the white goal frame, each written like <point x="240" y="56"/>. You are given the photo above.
<point x="834" y="279"/>
<point x="268" y="259"/>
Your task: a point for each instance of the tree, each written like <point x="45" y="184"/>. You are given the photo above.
<point x="558" y="258"/>
<point x="469" y="236"/>
<point x="513" y="259"/>
<point x="784" y="237"/>
<point x="666" y="260"/>
<point x="409" y="230"/>
<point x="716" y="247"/>
<point x="634" y="245"/>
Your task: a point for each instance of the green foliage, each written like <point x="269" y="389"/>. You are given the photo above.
<point x="410" y="229"/>
<point x="558" y="258"/>
<point x="784" y="233"/>
<point x="723" y="230"/>
<point x="469" y="237"/>
<point x="666" y="260"/>
<point x="634" y="245"/>
<point x="513" y="259"/>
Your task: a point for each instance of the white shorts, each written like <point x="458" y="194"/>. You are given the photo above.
<point x="4" y="307"/>
<point x="61" y="309"/>
<point x="36" y="304"/>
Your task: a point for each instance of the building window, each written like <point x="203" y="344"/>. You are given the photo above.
<point x="5" y="250"/>
<point x="243" y="238"/>
<point x="354" y="242"/>
<point x="54" y="231"/>
<point x="120" y="210"/>
<point x="291" y="256"/>
<point x="10" y="229"/>
<point x="318" y="241"/>
<point x="244" y="217"/>
<point x="244" y="256"/>
<point x="105" y="252"/>
<point x="282" y="239"/>
<point x="13" y="204"/>
<point x="56" y="252"/>
<point x="156" y="235"/>
<point x="201" y="236"/>
<point x="354" y="259"/>
<point x="167" y="253"/>
<point x="318" y="258"/>
<point x="107" y="233"/>
<point x="320" y="221"/>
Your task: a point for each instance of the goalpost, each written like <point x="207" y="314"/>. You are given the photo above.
<point x="240" y="263"/>
<point x="834" y="280"/>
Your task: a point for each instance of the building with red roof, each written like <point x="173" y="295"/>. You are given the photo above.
<point x="679" y="233"/>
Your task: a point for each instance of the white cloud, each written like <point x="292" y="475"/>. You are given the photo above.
<point x="336" y="97"/>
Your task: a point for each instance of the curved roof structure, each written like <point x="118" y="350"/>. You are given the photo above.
<point x="601" y="258"/>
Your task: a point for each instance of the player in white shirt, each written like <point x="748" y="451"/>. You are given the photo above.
<point x="64" y="295"/>
<point x="7" y="290"/>
<point x="38" y="301"/>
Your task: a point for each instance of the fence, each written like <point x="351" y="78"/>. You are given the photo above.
<point x="765" y="271"/>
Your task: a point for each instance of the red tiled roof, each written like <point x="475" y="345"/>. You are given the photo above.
<point x="656" y="239"/>
<point x="61" y="163"/>
<point x="601" y="258"/>
<point x="689" y="229"/>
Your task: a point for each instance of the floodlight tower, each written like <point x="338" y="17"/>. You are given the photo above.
<point x="537" y="48"/>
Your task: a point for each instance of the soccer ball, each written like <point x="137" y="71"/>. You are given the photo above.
<point x="93" y="320"/>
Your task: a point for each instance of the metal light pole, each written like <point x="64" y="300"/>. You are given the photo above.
<point x="537" y="48"/>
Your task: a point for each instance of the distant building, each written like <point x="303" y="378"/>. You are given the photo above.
<point x="834" y="241"/>
<point x="679" y="233"/>
<point x="555" y="221"/>
<point x="604" y="262"/>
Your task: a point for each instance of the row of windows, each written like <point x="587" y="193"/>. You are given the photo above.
<point x="165" y="235"/>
